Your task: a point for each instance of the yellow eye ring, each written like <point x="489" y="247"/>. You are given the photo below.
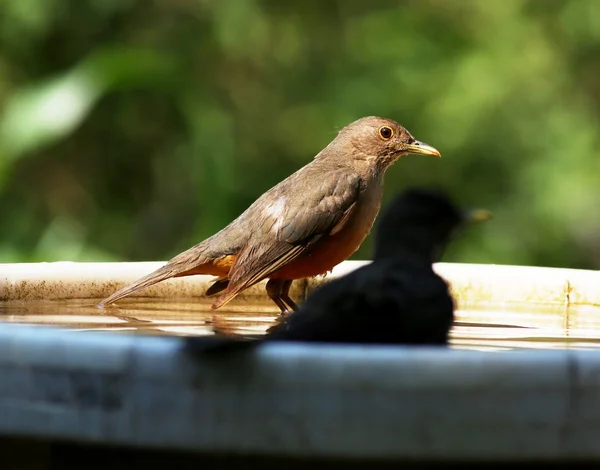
<point x="386" y="132"/>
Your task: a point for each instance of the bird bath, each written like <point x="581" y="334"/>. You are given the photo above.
<point x="519" y="382"/>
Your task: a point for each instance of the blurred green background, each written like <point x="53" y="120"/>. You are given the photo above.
<point x="130" y="130"/>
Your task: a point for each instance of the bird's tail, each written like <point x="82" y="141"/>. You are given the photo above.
<point x="212" y="256"/>
<point x="196" y="260"/>
<point x="162" y="273"/>
<point x="226" y="297"/>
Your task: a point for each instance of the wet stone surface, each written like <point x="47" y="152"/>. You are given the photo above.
<point x="478" y="326"/>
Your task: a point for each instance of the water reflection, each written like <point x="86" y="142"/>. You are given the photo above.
<point x="542" y="327"/>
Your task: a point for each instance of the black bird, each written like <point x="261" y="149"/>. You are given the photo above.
<point x="396" y="299"/>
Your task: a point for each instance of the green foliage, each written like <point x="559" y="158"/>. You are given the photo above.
<point x="130" y="130"/>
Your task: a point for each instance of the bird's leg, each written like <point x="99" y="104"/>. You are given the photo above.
<point x="285" y="295"/>
<point x="274" y="288"/>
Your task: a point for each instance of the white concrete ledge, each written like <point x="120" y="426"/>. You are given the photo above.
<point x="470" y="282"/>
<point x="298" y="400"/>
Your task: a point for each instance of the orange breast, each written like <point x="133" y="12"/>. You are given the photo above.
<point x="323" y="257"/>
<point x="334" y="249"/>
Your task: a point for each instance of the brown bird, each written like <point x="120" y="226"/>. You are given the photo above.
<point x="302" y="227"/>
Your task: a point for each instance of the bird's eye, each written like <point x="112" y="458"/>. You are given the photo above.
<point x="386" y="132"/>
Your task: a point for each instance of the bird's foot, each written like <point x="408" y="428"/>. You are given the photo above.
<point x="284" y="313"/>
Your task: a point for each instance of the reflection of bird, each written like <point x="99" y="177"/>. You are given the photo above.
<point x="396" y="299"/>
<point x="302" y="227"/>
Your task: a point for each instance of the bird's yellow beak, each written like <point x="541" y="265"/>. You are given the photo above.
<point x="421" y="148"/>
<point x="477" y="215"/>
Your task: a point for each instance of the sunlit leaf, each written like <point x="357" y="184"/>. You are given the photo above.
<point x="49" y="110"/>
<point x="45" y="112"/>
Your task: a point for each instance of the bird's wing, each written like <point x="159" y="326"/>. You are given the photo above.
<point x="329" y="205"/>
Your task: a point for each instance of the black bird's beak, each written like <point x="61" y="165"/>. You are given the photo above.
<point x="421" y="148"/>
<point x="477" y="215"/>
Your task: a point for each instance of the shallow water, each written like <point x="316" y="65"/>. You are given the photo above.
<point x="542" y="327"/>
